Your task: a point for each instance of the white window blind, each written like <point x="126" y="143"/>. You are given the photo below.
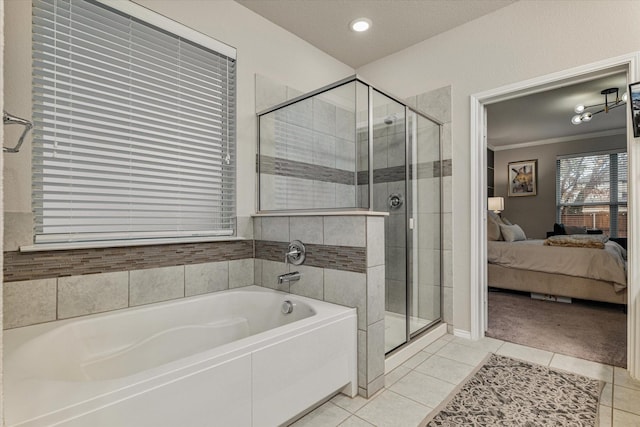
<point x="592" y="191"/>
<point x="134" y="128"/>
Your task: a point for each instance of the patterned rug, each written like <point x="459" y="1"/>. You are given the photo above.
<point x="510" y="392"/>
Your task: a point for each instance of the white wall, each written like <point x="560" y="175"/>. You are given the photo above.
<point x="263" y="48"/>
<point x="524" y="40"/>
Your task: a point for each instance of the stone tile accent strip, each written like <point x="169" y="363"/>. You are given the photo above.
<point x="397" y="173"/>
<point x="346" y="258"/>
<point x="20" y="266"/>
<point x="296" y="169"/>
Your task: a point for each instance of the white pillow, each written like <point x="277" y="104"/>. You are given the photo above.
<point x="512" y="233"/>
<point x="493" y="226"/>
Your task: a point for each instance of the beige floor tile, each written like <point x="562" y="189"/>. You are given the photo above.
<point x="422" y="388"/>
<point x="354" y="421"/>
<point x="415" y="360"/>
<point x="626" y="399"/>
<point x="392" y="410"/>
<point x="625" y="419"/>
<point x="349" y="404"/>
<point x="436" y="345"/>
<point x="582" y="367"/>
<point x="461" y="353"/>
<point x="604" y="415"/>
<point x="606" y="398"/>
<point x="487" y="344"/>
<point x="445" y="369"/>
<point x="621" y="377"/>
<point x="395" y="375"/>
<point x="323" y="416"/>
<point x="528" y="354"/>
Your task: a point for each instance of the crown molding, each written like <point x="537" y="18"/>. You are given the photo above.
<point x="621" y="131"/>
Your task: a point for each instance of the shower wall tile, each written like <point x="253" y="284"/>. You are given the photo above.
<point x="447" y="266"/>
<point x="300" y="113"/>
<point x="299" y="193"/>
<point x="446" y="141"/>
<point x="375" y="357"/>
<point x="206" y="278"/>
<point x="307" y="229"/>
<point x="346" y="155"/>
<point x="380" y="196"/>
<point x="374" y="386"/>
<point x="429" y="147"/>
<point x="375" y="294"/>
<point x="311" y="283"/>
<point x="345" y="258"/>
<point x="345" y="196"/>
<point x="429" y="267"/>
<point x="257" y="272"/>
<point x="241" y="273"/>
<point x="270" y="272"/>
<point x="268" y="93"/>
<point x="396" y="230"/>
<point x="436" y="103"/>
<point x="349" y="289"/>
<point x="395" y="296"/>
<point x="447" y="306"/>
<point x="362" y="362"/>
<point x="155" y="285"/>
<point x="380" y="150"/>
<point x="324" y="150"/>
<point x="28" y="302"/>
<point x="324" y="194"/>
<point x="267" y="136"/>
<point x="375" y="241"/>
<point x="396" y="154"/>
<point x="428" y="197"/>
<point x="429" y="302"/>
<point x="447" y="231"/>
<point x="428" y="226"/>
<point x="345" y="124"/>
<point x="447" y="195"/>
<point x="244" y="225"/>
<point x="395" y="266"/>
<point x="275" y="229"/>
<point x="324" y="116"/>
<point x="345" y="231"/>
<point x="92" y="293"/>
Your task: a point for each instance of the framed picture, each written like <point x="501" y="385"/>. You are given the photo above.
<point x="522" y="178"/>
<point x="634" y="95"/>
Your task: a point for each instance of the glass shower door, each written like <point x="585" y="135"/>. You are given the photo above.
<point x="424" y="222"/>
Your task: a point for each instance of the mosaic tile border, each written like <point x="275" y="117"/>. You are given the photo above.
<point x="397" y="173"/>
<point x="51" y="264"/>
<point x="295" y="169"/>
<point x="346" y="258"/>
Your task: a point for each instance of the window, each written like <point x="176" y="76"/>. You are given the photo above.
<point x="592" y="191"/>
<point x="134" y="125"/>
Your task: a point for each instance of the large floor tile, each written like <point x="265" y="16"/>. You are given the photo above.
<point x="528" y="354"/>
<point x="437" y="345"/>
<point x="445" y="369"/>
<point x="389" y="409"/>
<point x="349" y="404"/>
<point x="422" y="388"/>
<point x="606" y="397"/>
<point x="582" y="367"/>
<point x="354" y="421"/>
<point x="621" y="377"/>
<point x="416" y="359"/>
<point x="604" y="415"/>
<point x="395" y="375"/>
<point x="626" y="399"/>
<point x="625" y="419"/>
<point x="323" y="416"/>
<point x="487" y="344"/>
<point x="461" y="353"/>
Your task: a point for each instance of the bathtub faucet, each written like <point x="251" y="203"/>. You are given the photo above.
<point x="294" y="276"/>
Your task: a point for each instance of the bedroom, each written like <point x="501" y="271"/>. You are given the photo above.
<point x="572" y="171"/>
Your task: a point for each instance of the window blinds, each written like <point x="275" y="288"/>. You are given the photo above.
<point x="134" y="128"/>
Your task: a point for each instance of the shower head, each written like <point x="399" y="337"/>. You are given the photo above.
<point x="388" y="120"/>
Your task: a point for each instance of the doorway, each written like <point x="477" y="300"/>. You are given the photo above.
<point x="479" y="295"/>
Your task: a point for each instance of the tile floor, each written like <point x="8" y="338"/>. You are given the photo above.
<point x="413" y="389"/>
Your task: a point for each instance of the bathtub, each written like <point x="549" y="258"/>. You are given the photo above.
<point x="226" y="359"/>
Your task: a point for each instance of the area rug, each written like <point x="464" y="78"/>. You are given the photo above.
<point x="588" y="330"/>
<point x="507" y="392"/>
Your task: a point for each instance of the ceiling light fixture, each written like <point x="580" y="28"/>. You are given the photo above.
<point x="582" y="113"/>
<point x="361" y="24"/>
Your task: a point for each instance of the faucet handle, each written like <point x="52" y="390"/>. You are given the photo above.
<point x="296" y="253"/>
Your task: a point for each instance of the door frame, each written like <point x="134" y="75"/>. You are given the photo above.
<point x="478" y="187"/>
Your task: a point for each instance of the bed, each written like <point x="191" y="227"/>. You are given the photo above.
<point x="575" y="272"/>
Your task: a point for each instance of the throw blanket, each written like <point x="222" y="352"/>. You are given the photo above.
<point x="578" y="241"/>
<point x="607" y="265"/>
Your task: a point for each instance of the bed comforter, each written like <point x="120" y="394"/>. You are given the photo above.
<point x="606" y="264"/>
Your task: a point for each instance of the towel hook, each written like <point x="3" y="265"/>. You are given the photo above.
<point x="10" y="119"/>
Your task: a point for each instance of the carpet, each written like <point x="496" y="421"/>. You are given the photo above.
<point x="588" y="330"/>
<point x="509" y="392"/>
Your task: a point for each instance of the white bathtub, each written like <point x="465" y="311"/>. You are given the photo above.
<point x="226" y="359"/>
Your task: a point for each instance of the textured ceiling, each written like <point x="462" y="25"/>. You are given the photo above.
<point x="397" y="24"/>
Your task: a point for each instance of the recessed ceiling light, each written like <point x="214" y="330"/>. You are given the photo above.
<point x="361" y="24"/>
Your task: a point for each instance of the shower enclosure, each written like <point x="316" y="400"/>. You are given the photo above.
<point x="350" y="146"/>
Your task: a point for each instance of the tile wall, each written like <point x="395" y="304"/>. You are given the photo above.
<point x="344" y="265"/>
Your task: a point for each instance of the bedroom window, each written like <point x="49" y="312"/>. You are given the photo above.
<point x="592" y="191"/>
<point x="134" y="125"/>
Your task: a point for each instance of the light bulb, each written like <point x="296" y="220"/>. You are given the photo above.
<point x="585" y="117"/>
<point x="361" y="24"/>
<point x="579" y="108"/>
<point x="576" y="120"/>
<point x="624" y="97"/>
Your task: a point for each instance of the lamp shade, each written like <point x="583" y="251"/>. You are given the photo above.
<point x="495" y="204"/>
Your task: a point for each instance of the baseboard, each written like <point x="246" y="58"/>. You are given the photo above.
<point x="462" y="333"/>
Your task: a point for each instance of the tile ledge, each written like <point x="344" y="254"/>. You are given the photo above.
<point x="125" y="243"/>
<point x="320" y="213"/>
